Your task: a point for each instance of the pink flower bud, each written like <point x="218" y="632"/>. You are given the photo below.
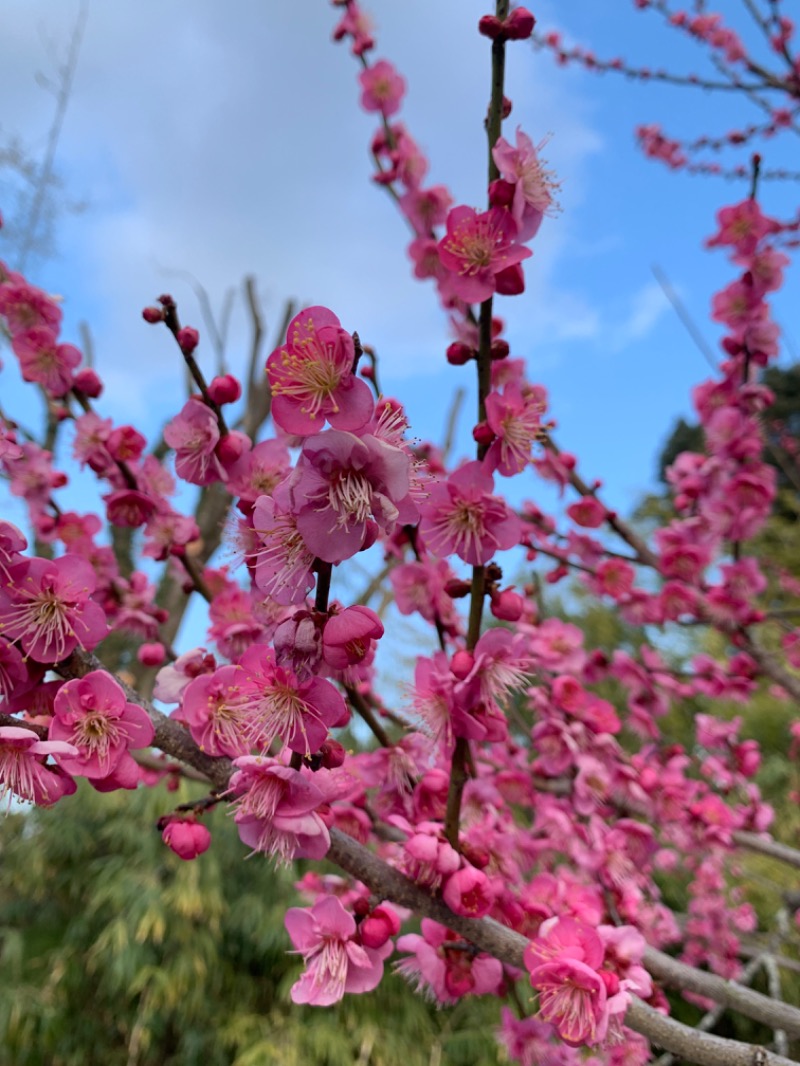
<point x="490" y="26"/>
<point x="499" y="349"/>
<point x="188" y="339"/>
<point x="461" y="664"/>
<point x="507" y="606"/>
<point x="377" y="927"/>
<point x="153" y="315"/>
<point x="501" y="193"/>
<point x="87" y="382"/>
<point x="186" y="838"/>
<point x="483" y="433"/>
<point x="458" y="354"/>
<point x="456" y="588"/>
<point x="231" y="447"/>
<point x="225" y="389"/>
<point x="332" y="754"/>
<point x="151" y="654"/>
<point x="505" y="110"/>
<point x="519" y="24"/>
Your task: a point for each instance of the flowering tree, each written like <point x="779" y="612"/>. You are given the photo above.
<point x="507" y="804"/>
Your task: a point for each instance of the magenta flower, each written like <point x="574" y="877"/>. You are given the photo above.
<point x="462" y="517"/>
<point x="348" y="637"/>
<point x="12" y="544"/>
<point x="344" y="486"/>
<point x="514" y="416"/>
<point x="312" y="377"/>
<point x="210" y="710"/>
<point x="22" y="769"/>
<point x="469" y="892"/>
<point x="277" y="703"/>
<point x="382" y="88"/>
<point x="438" y="964"/>
<point x="46" y="607"/>
<point x="44" y="361"/>
<point x="573" y="998"/>
<point x="282" y="561"/>
<point x="533" y="182"/>
<point x="194" y="434"/>
<point x="93" y="715"/>
<point x="477" y="249"/>
<point x="335" y="962"/>
<point x="277" y="810"/>
<point x="23" y="306"/>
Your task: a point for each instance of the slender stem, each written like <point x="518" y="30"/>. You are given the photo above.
<point x="462" y="757"/>
<point x="324" y="571"/>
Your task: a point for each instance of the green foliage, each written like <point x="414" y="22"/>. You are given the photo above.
<point x="116" y="952"/>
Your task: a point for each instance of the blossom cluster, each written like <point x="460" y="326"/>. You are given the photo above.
<point x="508" y="785"/>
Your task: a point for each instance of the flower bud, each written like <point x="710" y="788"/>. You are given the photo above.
<point x="483" y="433"/>
<point x="188" y="338"/>
<point x="187" y="838"/>
<point x="458" y="354"/>
<point x="231" y="446"/>
<point x="507" y="606"/>
<point x="461" y="664"/>
<point x="490" y="26"/>
<point x="88" y="382"/>
<point x="153" y="315"/>
<point x="519" y="24"/>
<point x="224" y="389"/>
<point x="501" y="193"/>
<point x="151" y="654"/>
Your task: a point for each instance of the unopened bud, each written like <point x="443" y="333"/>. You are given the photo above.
<point x="153" y="315"/>
<point x="224" y="389"/>
<point x="519" y="24"/>
<point x="490" y="26"/>
<point x="461" y="664"/>
<point x="188" y="338"/>
<point x="458" y="354"/>
<point x="87" y="382"/>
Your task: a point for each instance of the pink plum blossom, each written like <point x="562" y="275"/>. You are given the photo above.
<point x="277" y="809"/>
<point x="280" y="559"/>
<point x="194" y="435"/>
<point x="335" y="961"/>
<point x="480" y="251"/>
<point x="46" y="607"/>
<point x="461" y="516"/>
<point x="345" y="486"/>
<point x="277" y="703"/>
<point x="349" y="635"/>
<point x="382" y="88"/>
<point x="23" y="772"/>
<point x="44" y="361"/>
<point x="439" y="965"/>
<point x="210" y="710"/>
<point x="93" y="715"/>
<point x="533" y="183"/>
<point x="312" y="377"/>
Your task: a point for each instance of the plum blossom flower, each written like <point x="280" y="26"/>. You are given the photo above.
<point x="44" y="361"/>
<point x="335" y="962"/>
<point x="461" y="516"/>
<point x="312" y="377"/>
<point x="514" y="416"/>
<point x="23" y="772"/>
<point x="281" y="561"/>
<point x="194" y="435"/>
<point x="533" y="182"/>
<point x="210" y="710"/>
<point x="93" y="715"/>
<point x="46" y="607"/>
<point x="439" y="965"/>
<point x="480" y="251"/>
<point x="277" y="703"/>
<point x="563" y="961"/>
<point x="277" y="810"/>
<point x="349" y="636"/>
<point x="345" y="486"/>
<point x="382" y="88"/>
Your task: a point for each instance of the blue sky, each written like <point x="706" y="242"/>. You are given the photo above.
<point x="227" y="139"/>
